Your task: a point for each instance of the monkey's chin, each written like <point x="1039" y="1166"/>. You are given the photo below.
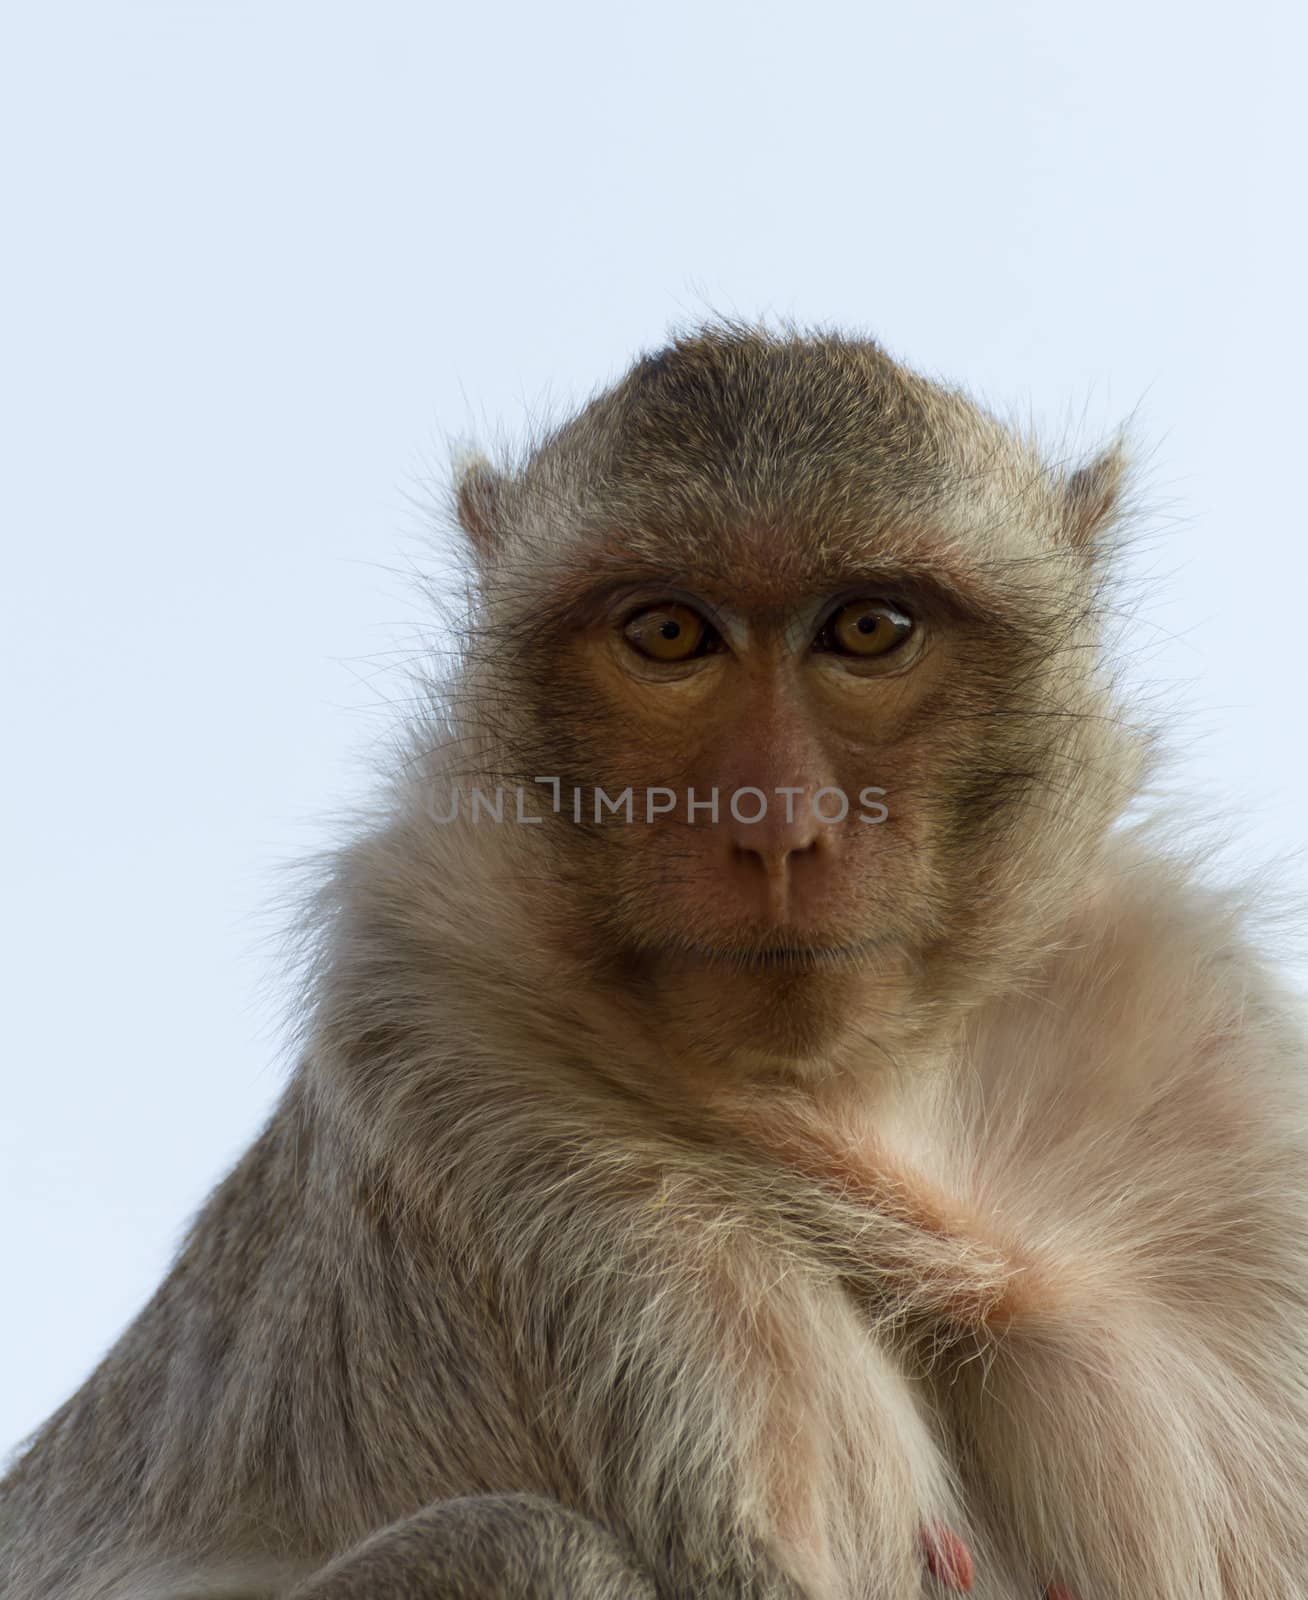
<point x="783" y="1006"/>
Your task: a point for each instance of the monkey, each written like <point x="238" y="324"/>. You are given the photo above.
<point x="895" y="1188"/>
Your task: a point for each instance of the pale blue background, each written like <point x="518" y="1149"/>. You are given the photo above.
<point x="261" y="261"/>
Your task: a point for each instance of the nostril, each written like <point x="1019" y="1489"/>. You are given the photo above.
<point x="750" y="856"/>
<point x="773" y="857"/>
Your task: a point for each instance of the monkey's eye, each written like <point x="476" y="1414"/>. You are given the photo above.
<point x="669" y="632"/>
<point x="866" y="628"/>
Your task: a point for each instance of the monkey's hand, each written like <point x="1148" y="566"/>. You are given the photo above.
<point x="492" y="1547"/>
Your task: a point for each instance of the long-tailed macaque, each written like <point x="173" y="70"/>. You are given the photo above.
<point x="766" y="1125"/>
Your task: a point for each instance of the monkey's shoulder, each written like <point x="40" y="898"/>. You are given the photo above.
<point x="1154" y="1069"/>
<point x="1155" y="983"/>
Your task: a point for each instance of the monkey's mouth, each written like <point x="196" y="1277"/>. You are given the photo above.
<point x="789" y="957"/>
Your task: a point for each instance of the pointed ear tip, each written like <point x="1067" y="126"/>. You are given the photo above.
<point x="1108" y="465"/>
<point x="465" y="456"/>
<point x="473" y="474"/>
<point x="1092" y="494"/>
<point x="1116" y="457"/>
<point x="476" y="491"/>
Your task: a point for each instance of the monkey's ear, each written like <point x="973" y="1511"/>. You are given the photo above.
<point x="1092" y="496"/>
<point x="479" y="502"/>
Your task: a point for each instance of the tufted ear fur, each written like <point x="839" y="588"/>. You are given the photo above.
<point x="478" y="501"/>
<point x="1092" y="496"/>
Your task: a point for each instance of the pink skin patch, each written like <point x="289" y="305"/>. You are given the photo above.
<point x="948" y="1559"/>
<point x="950" y="1563"/>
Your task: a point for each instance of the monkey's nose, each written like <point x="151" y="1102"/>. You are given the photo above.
<point x="776" y="842"/>
<point x="774" y="860"/>
<point x="774" y="874"/>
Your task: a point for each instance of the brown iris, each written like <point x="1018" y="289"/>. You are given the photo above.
<point x="867" y="628"/>
<point x="668" y="632"/>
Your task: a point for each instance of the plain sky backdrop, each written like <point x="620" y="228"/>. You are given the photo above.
<point x="262" y="262"/>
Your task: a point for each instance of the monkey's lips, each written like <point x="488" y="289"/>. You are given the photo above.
<point x="782" y="956"/>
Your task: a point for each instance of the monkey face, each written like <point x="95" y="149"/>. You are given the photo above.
<point x="776" y="795"/>
<point x="809" y="649"/>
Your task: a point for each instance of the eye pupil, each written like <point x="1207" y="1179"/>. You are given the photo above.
<point x="867" y="628"/>
<point x="669" y="633"/>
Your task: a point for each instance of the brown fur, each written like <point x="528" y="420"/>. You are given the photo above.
<point x="666" y="1205"/>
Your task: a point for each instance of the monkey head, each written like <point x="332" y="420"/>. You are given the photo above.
<point x="810" y="649"/>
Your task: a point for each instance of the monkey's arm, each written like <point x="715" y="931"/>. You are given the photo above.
<point x="1142" y="1125"/>
<point x="653" y="1344"/>
<point x="491" y="1547"/>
